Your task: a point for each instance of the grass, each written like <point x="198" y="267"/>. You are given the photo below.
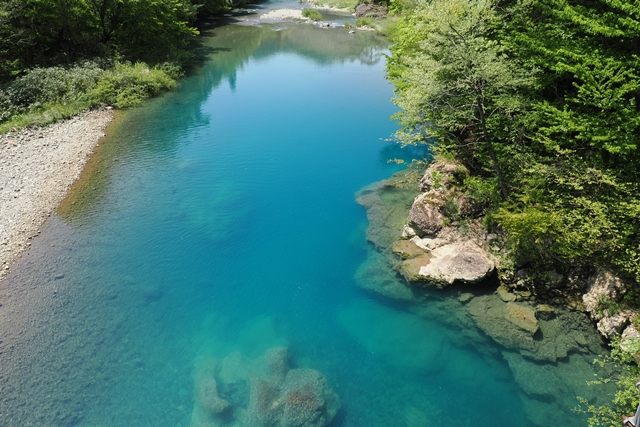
<point x="312" y="14"/>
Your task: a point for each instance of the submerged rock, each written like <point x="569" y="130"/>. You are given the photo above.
<point x="378" y="276"/>
<point x="522" y="316"/>
<point x="264" y="391"/>
<point x="520" y="327"/>
<point x="504" y="294"/>
<point x="387" y="203"/>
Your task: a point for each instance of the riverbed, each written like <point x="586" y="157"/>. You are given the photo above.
<point x="219" y="221"/>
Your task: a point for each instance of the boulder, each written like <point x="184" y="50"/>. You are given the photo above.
<point x="424" y="216"/>
<point x="504" y="294"/>
<point x="370" y="10"/>
<point x="603" y="286"/>
<point x="209" y="399"/>
<point x="630" y="340"/>
<point x="441" y="174"/>
<point x="458" y="262"/>
<point x="307" y="399"/>
<point x="277" y="364"/>
<point x="545" y="312"/>
<point x="612" y="326"/>
<point x="522" y="316"/>
<point x="303" y="400"/>
<point x="406" y="249"/>
<point x="408" y="232"/>
<point x="465" y="297"/>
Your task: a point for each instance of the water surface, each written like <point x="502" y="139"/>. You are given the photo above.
<point x="221" y="219"/>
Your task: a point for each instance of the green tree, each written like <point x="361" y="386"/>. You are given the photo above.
<point x="453" y="82"/>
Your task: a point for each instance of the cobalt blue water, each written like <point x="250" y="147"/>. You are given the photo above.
<point x="219" y="221"/>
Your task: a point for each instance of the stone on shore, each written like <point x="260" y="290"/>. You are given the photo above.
<point x="612" y="326"/>
<point x="603" y="286"/>
<point x="425" y="217"/>
<point x="442" y="174"/>
<point x="458" y="262"/>
<point x="630" y="340"/>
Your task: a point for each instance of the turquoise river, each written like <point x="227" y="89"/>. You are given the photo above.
<point x="219" y="221"/>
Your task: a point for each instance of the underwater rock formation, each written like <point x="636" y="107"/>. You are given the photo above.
<point x="548" y="349"/>
<point x="263" y="392"/>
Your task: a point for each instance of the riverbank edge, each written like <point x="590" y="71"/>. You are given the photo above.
<point x="443" y="214"/>
<point x="38" y="166"/>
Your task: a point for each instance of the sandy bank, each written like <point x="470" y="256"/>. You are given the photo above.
<point x="37" y="167"/>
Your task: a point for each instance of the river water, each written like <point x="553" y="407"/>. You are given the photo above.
<point x="219" y="221"/>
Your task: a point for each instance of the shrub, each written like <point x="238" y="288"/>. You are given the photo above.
<point x="45" y="95"/>
<point x="312" y="14"/>
<point x="127" y="85"/>
<point x="364" y="22"/>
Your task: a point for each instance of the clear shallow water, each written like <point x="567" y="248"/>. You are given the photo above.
<point x="221" y="219"/>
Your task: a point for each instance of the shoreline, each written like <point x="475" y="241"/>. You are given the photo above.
<point x="37" y="168"/>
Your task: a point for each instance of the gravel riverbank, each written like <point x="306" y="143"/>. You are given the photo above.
<point x="37" y="167"/>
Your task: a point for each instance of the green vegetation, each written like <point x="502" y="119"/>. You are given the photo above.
<point x="364" y="22"/>
<point x="349" y="5"/>
<point x="48" y="51"/>
<point x="540" y="100"/>
<point x="624" y="372"/>
<point x="45" y="95"/>
<point x="312" y="14"/>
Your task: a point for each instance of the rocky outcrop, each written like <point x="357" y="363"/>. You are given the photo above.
<point x="602" y="302"/>
<point x="371" y="10"/>
<point x="425" y="216"/>
<point x="463" y="262"/>
<point x="432" y="252"/>
<point x="603" y="286"/>
<point x="263" y="392"/>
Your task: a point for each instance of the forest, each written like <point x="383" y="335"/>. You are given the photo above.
<point x="59" y="57"/>
<point x="540" y="101"/>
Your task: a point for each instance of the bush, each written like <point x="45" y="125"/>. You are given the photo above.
<point x="622" y="371"/>
<point x="45" y="95"/>
<point x="312" y="14"/>
<point x="364" y="22"/>
<point x="127" y="85"/>
<point x="41" y="86"/>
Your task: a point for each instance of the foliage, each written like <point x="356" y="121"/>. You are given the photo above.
<point x="45" y="95"/>
<point x="127" y="85"/>
<point x="623" y="372"/>
<point x="312" y="14"/>
<point x="49" y="32"/>
<point x="540" y="100"/>
<point x="364" y="22"/>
